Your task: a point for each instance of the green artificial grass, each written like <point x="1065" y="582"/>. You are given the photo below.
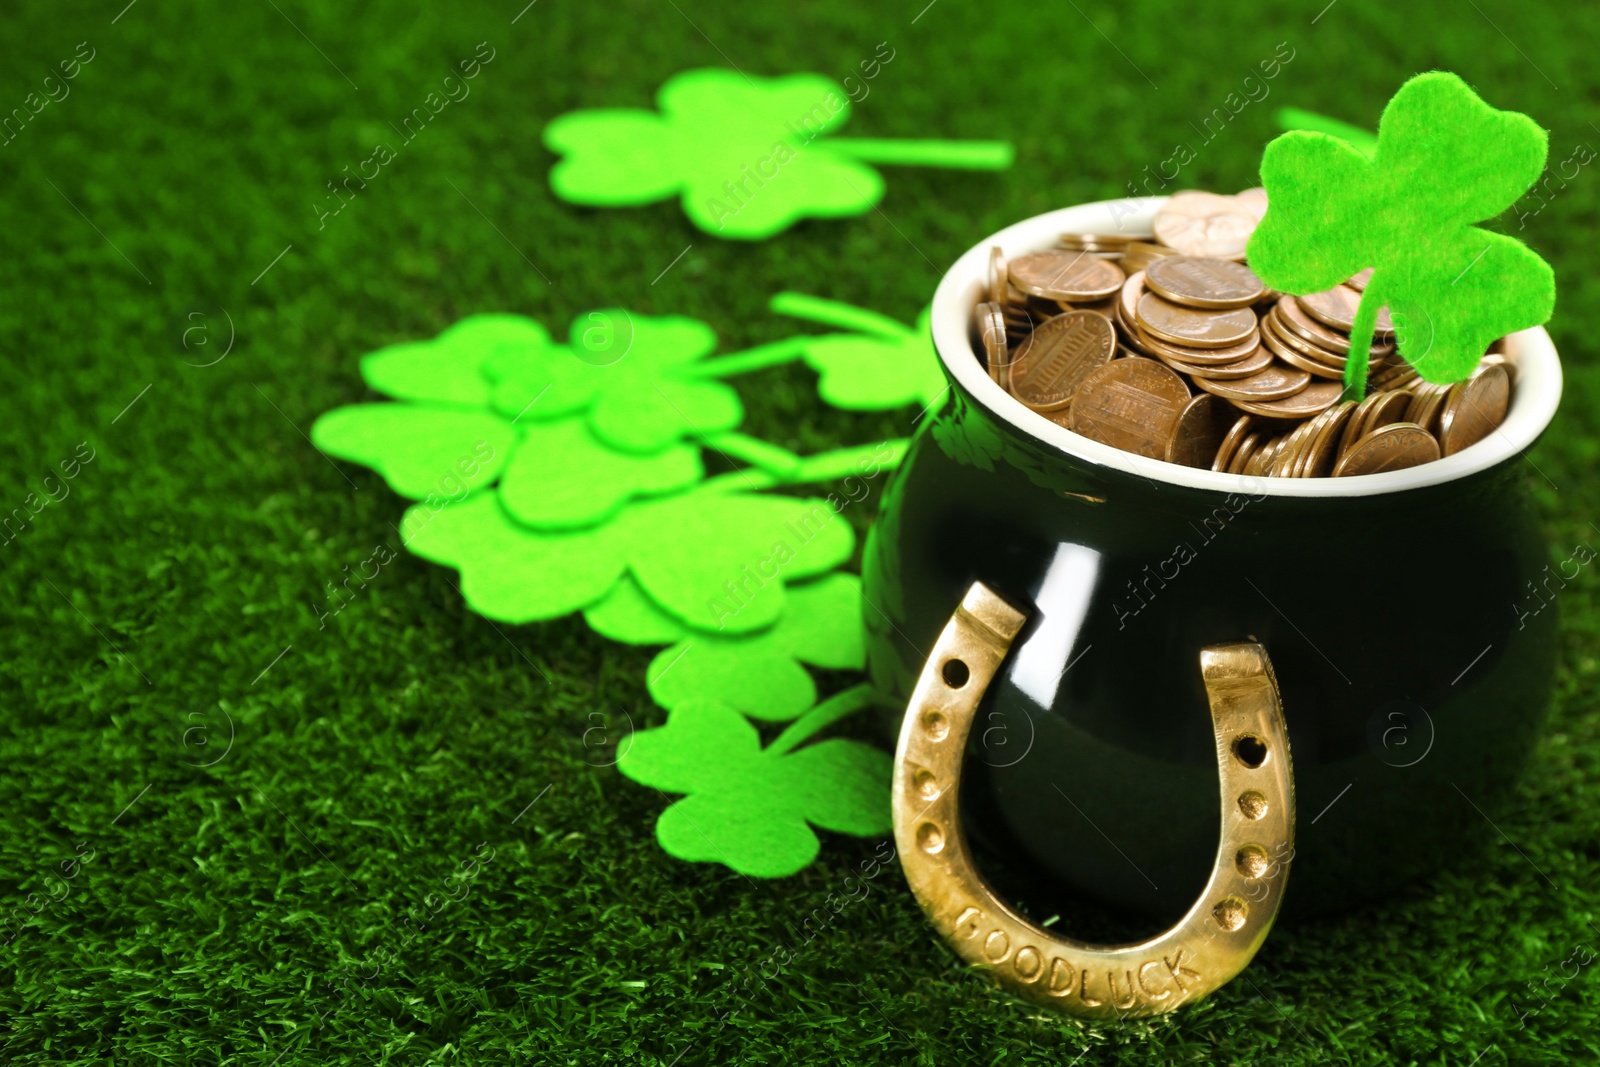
<point x="406" y="762"/>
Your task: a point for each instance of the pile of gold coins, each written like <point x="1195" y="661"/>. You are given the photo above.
<point x="1168" y="346"/>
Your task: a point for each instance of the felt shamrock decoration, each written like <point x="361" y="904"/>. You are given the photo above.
<point x="636" y="379"/>
<point x="751" y="808"/>
<point x="712" y="560"/>
<point x="748" y="157"/>
<point x="1296" y="118"/>
<point x="883" y="365"/>
<point x="1444" y="161"/>
<point x="760" y="674"/>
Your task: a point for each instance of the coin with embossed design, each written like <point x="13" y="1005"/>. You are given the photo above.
<point x="1059" y="275"/>
<point x="1057" y="356"/>
<point x="1475" y="408"/>
<point x="1198" y="282"/>
<point x="1131" y="404"/>
<point x="1314" y="398"/>
<point x="1201" y="426"/>
<point x="1194" y="327"/>
<point x="1337" y="308"/>
<point x="1277" y="382"/>
<point x="1394" y="447"/>
<point x="1205" y="224"/>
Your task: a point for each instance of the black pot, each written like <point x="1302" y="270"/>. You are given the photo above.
<point x="1409" y="617"/>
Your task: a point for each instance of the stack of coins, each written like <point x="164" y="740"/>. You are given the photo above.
<point x="1167" y="345"/>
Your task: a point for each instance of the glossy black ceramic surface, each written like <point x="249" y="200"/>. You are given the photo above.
<point x="1414" y="665"/>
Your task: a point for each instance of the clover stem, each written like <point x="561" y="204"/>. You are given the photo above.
<point x="821" y="717"/>
<point x="1295" y="118"/>
<point x="835" y="313"/>
<point x="751" y="359"/>
<point x="762" y="455"/>
<point x="1361" y="330"/>
<point x="964" y="155"/>
<point x="862" y="461"/>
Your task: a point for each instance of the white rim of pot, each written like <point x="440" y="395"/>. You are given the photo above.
<point x="1533" y="399"/>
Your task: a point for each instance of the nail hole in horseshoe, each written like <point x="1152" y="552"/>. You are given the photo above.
<point x="1250" y="750"/>
<point x="1251" y="861"/>
<point x="955" y="673"/>
<point x="1253" y="804"/>
<point x="1230" y="913"/>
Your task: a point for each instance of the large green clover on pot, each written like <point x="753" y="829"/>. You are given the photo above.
<point x="1444" y="161"/>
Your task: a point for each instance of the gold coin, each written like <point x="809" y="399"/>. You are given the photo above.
<point x="1277" y="382"/>
<point x="1131" y="404"/>
<point x="1099" y="242"/>
<point x="1503" y="361"/>
<point x="1476" y="407"/>
<point x="1389" y="409"/>
<point x="1314" y="398"/>
<point x="1265" y="458"/>
<point x="1293" y="318"/>
<point x="1247" y="449"/>
<point x="1272" y="336"/>
<point x="1425" y="405"/>
<point x="1199" y="356"/>
<point x="1358" y="281"/>
<point x="1356" y="428"/>
<point x="1140" y="254"/>
<point x="1058" y="355"/>
<point x="1230" y="442"/>
<point x="1324" y="451"/>
<point x="1394" y="447"/>
<point x="1193" y="327"/>
<point x="1057" y="275"/>
<point x="1253" y="201"/>
<point x="1204" y="283"/>
<point x="1336" y="307"/>
<point x="1205" y="224"/>
<point x="1253" y="363"/>
<point x="992" y="326"/>
<point x="1201" y="426"/>
<point x="1128" y="299"/>
<point x="997" y="275"/>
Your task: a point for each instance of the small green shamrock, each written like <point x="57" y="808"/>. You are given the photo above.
<point x="446" y="370"/>
<point x="885" y="365"/>
<point x="631" y="375"/>
<point x="760" y="674"/>
<point x="748" y="157"/>
<point x="1445" y="160"/>
<point x="713" y="560"/>
<point x="421" y="450"/>
<point x="753" y="809"/>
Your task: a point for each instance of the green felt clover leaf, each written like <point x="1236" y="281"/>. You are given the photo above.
<point x="1444" y="161"/>
<point x="561" y="476"/>
<point x="420" y="449"/>
<point x="631" y="374"/>
<point x="446" y="370"/>
<point x="748" y="157"/>
<point x="753" y="809"/>
<point x="884" y="365"/>
<point x="511" y="573"/>
<point x="715" y="561"/>
<point x="761" y="674"/>
<point x="719" y="561"/>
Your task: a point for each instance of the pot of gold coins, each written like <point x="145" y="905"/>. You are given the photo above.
<point x="1144" y="551"/>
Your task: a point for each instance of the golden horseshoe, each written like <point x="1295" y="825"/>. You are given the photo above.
<point x="1221" y="932"/>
